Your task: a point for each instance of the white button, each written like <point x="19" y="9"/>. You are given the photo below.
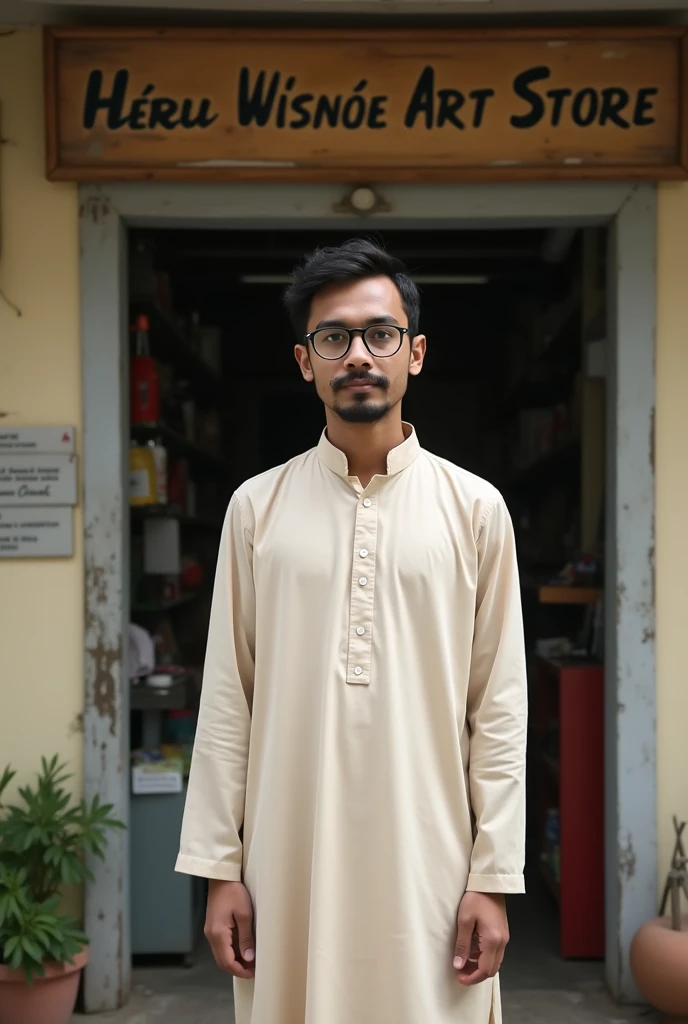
<point x="360" y="630"/>
<point x="358" y="671"/>
<point x="367" y="502"/>
<point x="363" y="580"/>
<point x="363" y="552"/>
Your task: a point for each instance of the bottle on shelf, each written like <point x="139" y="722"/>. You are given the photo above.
<point x="159" y="453"/>
<point x="145" y="380"/>
<point x="142" y="476"/>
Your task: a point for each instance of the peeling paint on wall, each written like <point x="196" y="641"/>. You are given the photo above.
<point x="106" y="755"/>
<point x="651" y="560"/>
<point x="76" y="725"/>
<point x="627" y="860"/>
<point x="105" y="656"/>
<point x="620" y="594"/>
<point x="97" y="209"/>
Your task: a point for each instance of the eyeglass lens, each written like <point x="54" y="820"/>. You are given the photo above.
<point x="381" y="339"/>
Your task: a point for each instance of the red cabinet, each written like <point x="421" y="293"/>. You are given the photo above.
<point x="567" y="716"/>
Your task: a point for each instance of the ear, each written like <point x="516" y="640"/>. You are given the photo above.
<point x="418" y="347"/>
<point x="304" y="360"/>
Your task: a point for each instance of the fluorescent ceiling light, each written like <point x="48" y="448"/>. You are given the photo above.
<point x="418" y="278"/>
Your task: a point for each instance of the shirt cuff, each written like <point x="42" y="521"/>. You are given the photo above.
<point x="220" y="871"/>
<point x="496" y="883"/>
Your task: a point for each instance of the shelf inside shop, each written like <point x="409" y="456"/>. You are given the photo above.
<point x="175" y="697"/>
<point x="560" y="458"/>
<point x="178" y="445"/>
<point x="140" y="512"/>
<point x="168" y="606"/>
<point x="534" y="583"/>
<point x="553" y="667"/>
<point x="570" y="595"/>
<point x="169" y="344"/>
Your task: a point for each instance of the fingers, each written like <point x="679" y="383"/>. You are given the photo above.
<point x="483" y="933"/>
<point x="475" y="973"/>
<point x="489" y="959"/>
<point x="473" y="977"/>
<point x="222" y="945"/>
<point x="225" y="946"/>
<point x="464" y="939"/>
<point x="243" y="920"/>
<point x="229" y="928"/>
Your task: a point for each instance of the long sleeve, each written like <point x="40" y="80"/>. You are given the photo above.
<point x="214" y="812"/>
<point x="497" y="712"/>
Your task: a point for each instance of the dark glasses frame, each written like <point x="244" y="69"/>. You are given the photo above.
<point x="351" y="331"/>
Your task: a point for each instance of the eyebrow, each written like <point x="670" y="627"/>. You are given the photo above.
<point x="383" y="318"/>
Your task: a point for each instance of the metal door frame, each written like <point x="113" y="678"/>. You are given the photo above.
<point x="106" y="212"/>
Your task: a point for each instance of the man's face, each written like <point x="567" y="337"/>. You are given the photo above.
<point x="360" y="386"/>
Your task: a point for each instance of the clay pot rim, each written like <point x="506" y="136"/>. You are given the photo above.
<point x="664" y="923"/>
<point x="52" y="970"/>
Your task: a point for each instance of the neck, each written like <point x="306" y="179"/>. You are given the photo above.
<point x="366" y="445"/>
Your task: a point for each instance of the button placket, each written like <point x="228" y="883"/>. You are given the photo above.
<point x="362" y="593"/>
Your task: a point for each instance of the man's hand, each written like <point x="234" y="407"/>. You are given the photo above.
<point x="482" y="937"/>
<point x="229" y="928"/>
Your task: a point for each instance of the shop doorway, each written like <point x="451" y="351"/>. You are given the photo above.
<point x="522" y="295"/>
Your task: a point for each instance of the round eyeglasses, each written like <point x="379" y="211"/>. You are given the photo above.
<point x="381" y="340"/>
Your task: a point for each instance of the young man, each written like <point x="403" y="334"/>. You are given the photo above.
<point x="357" y="790"/>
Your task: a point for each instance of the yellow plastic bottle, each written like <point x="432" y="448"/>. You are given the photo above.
<point x="142" y="475"/>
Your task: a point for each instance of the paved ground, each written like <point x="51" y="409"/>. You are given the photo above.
<point x="538" y="986"/>
<point x="202" y="996"/>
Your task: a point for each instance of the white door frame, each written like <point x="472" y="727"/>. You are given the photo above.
<point x="106" y="213"/>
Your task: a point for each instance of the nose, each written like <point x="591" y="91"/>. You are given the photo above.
<point x="358" y="355"/>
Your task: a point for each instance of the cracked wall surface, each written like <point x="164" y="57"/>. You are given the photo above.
<point x="671" y="461"/>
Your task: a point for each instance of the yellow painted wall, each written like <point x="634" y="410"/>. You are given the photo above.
<point x="41" y="602"/>
<point x="671" y="460"/>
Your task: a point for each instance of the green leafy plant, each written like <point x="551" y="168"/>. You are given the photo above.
<point x="43" y="840"/>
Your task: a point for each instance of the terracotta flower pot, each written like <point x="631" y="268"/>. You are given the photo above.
<point x="50" y="1000"/>
<point x="659" y="962"/>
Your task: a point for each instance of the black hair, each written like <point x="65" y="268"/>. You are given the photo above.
<point x="354" y="260"/>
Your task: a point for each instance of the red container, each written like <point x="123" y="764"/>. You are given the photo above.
<point x="145" y="382"/>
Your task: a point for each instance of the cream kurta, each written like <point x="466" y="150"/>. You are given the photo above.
<point x="364" y="717"/>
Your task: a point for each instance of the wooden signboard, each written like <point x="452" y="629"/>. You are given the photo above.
<point x="365" y="105"/>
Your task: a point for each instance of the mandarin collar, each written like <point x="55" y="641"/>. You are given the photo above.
<point x="398" y="459"/>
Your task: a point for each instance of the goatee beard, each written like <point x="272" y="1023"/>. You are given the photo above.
<point x="362" y="412"/>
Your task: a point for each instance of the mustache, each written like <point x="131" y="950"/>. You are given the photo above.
<point x="359" y="378"/>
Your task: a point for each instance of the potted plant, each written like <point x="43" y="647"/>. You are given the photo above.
<point x="43" y="839"/>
